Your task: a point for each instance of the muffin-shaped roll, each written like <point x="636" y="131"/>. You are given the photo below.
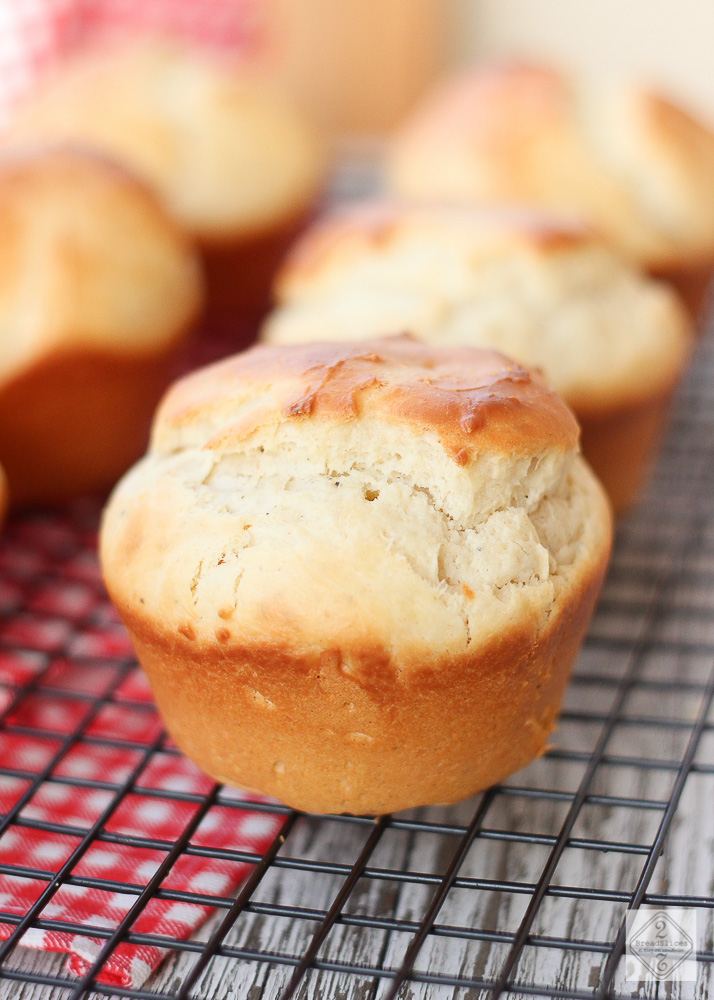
<point x="612" y="342"/>
<point x="98" y="290"/>
<point x="631" y="162"/>
<point x="236" y="167"/>
<point x="357" y="576"/>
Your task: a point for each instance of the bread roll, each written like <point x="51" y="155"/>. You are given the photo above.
<point x="235" y="166"/>
<point x="357" y="575"/>
<point x="98" y="291"/>
<point x="543" y="290"/>
<point x="627" y="159"/>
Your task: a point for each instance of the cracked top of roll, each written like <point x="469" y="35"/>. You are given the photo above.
<point x="470" y="399"/>
<point x="381" y="501"/>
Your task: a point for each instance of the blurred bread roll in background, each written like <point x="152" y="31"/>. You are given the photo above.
<point x="631" y="162"/>
<point x="235" y="165"/>
<point x="543" y="290"/>
<point x="98" y="290"/>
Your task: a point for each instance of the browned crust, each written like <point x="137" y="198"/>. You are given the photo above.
<point x="302" y="729"/>
<point x="75" y="420"/>
<point x="670" y="123"/>
<point x="239" y="273"/>
<point x="693" y="285"/>
<point x="621" y="446"/>
<point x="470" y="398"/>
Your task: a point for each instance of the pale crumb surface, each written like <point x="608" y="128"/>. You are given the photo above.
<point x="355" y="536"/>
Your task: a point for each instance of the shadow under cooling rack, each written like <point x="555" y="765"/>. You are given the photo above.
<point x="521" y="891"/>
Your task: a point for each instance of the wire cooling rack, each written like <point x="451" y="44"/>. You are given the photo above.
<point x="521" y="891"/>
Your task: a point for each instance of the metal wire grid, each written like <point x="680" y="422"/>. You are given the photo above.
<point x="651" y="645"/>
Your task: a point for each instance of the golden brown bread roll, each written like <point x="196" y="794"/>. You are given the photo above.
<point x="98" y="290"/>
<point x="235" y="166"/>
<point x="611" y="341"/>
<point x="357" y="575"/>
<point x="628" y="160"/>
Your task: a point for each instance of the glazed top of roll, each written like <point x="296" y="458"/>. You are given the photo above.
<point x="90" y="260"/>
<point x="542" y="289"/>
<point x="628" y="159"/>
<point x="225" y="153"/>
<point x="386" y="500"/>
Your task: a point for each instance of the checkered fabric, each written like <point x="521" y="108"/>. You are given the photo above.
<point x="76" y="721"/>
<point x="36" y="34"/>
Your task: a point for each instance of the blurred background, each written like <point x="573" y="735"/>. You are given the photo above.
<point x="660" y="41"/>
<point x="244" y="120"/>
<point x="357" y="65"/>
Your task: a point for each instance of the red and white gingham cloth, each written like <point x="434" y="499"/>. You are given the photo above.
<point x="138" y="815"/>
<point x="37" y="622"/>
<point x="36" y="34"/>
